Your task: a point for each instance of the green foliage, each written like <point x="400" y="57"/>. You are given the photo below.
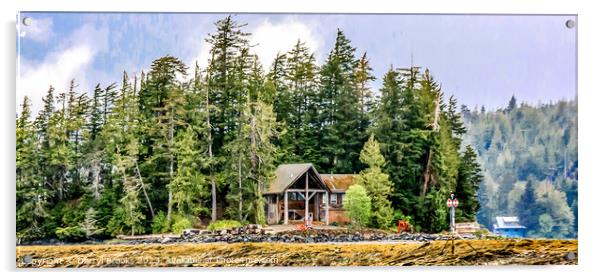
<point x="116" y="224"/>
<point x="293" y="77"/>
<point x="32" y="196"/>
<point x="554" y="203"/>
<point x="469" y="178"/>
<point x="521" y="149"/>
<point x="252" y="157"/>
<point x="189" y="185"/>
<point x="377" y="184"/>
<point x="421" y="139"/>
<point x="398" y="215"/>
<point x="130" y="202"/>
<point x="165" y="146"/>
<point x="180" y="223"/>
<point x="74" y="233"/>
<point x="339" y="109"/>
<point x="357" y="206"/>
<point x="546" y="225"/>
<point x="160" y="223"/>
<point x="90" y="223"/>
<point x="529" y="210"/>
<point x="224" y="224"/>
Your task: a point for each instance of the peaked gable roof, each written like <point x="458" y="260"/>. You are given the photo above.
<point x="287" y="174"/>
<point x="338" y="183"/>
<point x="507" y="223"/>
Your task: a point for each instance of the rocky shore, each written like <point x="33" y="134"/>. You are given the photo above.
<point x="255" y="233"/>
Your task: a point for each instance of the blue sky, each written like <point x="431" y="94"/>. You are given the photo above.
<point x="481" y="59"/>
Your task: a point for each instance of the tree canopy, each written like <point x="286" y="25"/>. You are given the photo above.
<point x="184" y="145"/>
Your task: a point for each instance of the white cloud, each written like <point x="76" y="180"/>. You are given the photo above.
<point x="70" y="60"/>
<point x="273" y="38"/>
<point x="57" y="70"/>
<point x="39" y="30"/>
<point x="269" y="39"/>
<point x="201" y="57"/>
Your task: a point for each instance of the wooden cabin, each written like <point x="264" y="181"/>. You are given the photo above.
<point x="299" y="193"/>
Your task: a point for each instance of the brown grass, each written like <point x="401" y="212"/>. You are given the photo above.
<point x="486" y="252"/>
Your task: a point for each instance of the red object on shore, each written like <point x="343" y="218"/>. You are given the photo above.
<point x="303" y="227"/>
<point x="401" y="226"/>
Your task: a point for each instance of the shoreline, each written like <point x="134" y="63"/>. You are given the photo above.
<point x="467" y="252"/>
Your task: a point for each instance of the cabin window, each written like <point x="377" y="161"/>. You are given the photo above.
<point x="295" y="196"/>
<point x="333" y="198"/>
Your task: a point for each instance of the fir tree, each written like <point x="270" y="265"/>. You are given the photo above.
<point x="469" y="178"/>
<point x="363" y="76"/>
<point x="31" y="197"/>
<point x="340" y="108"/>
<point x="90" y="223"/>
<point x="227" y="44"/>
<point x="96" y="120"/>
<point x="511" y="105"/>
<point x="377" y="184"/>
<point x="58" y="153"/>
<point x="293" y="101"/>
<point x="529" y="214"/>
<point x="188" y="185"/>
<point x="229" y="51"/>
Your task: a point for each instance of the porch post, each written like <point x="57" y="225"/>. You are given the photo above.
<point x="316" y="207"/>
<point x="277" y="208"/>
<point x="285" y="208"/>
<point x="306" y="198"/>
<point x="327" y="206"/>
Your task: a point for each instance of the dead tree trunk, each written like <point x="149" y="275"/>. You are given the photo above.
<point x="240" y="188"/>
<point x="171" y="165"/>
<point x="210" y="148"/>
<point x="428" y="170"/>
<point x="150" y="205"/>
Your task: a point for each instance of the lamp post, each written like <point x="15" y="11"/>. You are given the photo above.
<point x="452" y="203"/>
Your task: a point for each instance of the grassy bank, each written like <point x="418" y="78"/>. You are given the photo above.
<point x="473" y="252"/>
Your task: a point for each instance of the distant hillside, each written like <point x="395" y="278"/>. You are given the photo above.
<point x="533" y="148"/>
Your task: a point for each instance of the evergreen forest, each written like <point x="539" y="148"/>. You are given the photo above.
<point x="181" y="146"/>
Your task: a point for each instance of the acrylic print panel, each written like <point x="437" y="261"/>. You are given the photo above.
<point x="191" y="139"/>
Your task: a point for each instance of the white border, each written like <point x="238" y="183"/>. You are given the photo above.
<point x="589" y="24"/>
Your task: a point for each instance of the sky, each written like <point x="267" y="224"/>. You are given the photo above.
<point x="480" y="59"/>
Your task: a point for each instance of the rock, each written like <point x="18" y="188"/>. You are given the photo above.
<point x="191" y="231"/>
<point x="255" y="233"/>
